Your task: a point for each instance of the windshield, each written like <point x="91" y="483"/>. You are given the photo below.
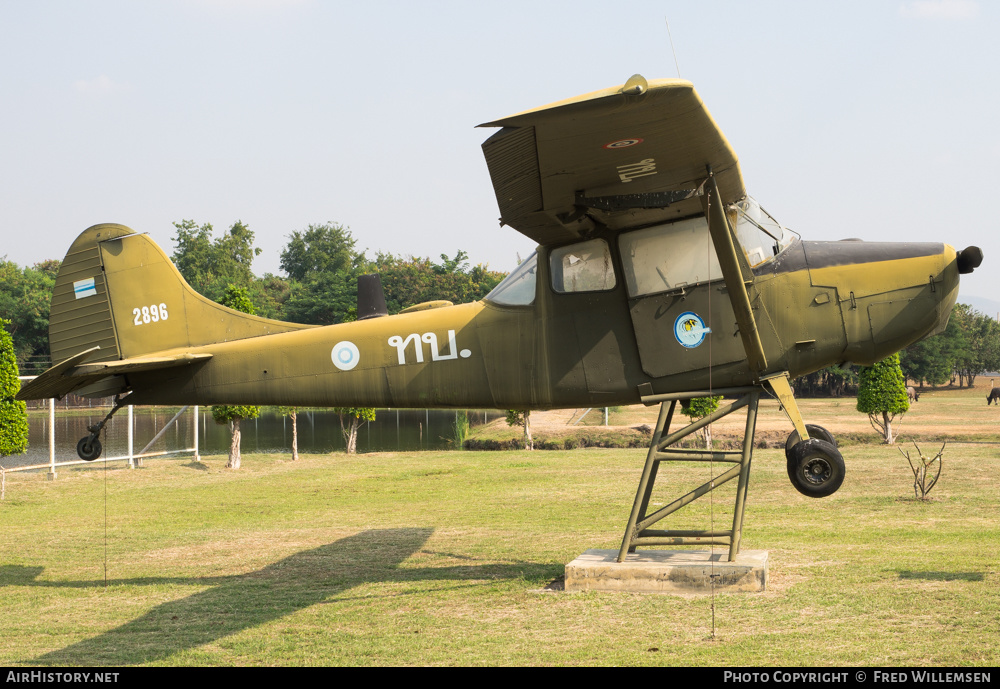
<point x="761" y="235"/>
<point x="518" y="288"/>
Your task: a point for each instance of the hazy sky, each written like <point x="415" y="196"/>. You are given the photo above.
<point x="873" y="119"/>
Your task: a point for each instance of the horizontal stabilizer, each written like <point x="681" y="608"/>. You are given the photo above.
<point x="73" y="373"/>
<point x="139" y="363"/>
<point x="52" y="383"/>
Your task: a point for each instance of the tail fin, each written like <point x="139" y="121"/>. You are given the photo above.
<point x="119" y="291"/>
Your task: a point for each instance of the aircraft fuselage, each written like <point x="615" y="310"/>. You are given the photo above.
<point x="816" y="304"/>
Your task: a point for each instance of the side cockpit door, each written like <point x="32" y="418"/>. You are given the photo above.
<point x="681" y="314"/>
<point x="682" y="302"/>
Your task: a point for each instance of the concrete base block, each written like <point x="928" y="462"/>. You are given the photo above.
<point x="668" y="571"/>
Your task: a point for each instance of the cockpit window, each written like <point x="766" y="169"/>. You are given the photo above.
<point x="681" y="254"/>
<point x="761" y="235"/>
<point x="668" y="257"/>
<point x="583" y="267"/>
<point x="518" y="288"/>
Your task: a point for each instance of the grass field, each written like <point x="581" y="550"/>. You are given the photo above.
<point x="444" y="558"/>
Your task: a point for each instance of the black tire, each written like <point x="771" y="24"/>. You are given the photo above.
<point x="816" y="468"/>
<point x="88" y="448"/>
<point x="814" y="432"/>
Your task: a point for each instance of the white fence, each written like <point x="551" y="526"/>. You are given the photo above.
<point x="131" y="456"/>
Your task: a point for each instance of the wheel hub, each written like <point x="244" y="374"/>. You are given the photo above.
<point x="817" y="471"/>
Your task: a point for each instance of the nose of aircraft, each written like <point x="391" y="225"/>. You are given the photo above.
<point x="921" y="304"/>
<point x="969" y="258"/>
<point x="891" y="294"/>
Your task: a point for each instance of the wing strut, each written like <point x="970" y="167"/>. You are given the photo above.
<point x="735" y="272"/>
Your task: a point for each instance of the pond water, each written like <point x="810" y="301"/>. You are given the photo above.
<point x="318" y="430"/>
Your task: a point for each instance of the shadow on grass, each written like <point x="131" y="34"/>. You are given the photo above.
<point x="239" y="602"/>
<point x="942" y="576"/>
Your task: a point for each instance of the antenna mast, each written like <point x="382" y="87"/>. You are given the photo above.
<point x="672" y="49"/>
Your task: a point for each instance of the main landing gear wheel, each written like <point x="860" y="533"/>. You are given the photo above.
<point x="815" y="467"/>
<point x="89" y="448"/>
<point x="814" y="432"/>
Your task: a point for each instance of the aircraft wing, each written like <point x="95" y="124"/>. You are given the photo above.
<point x="74" y="373"/>
<point x="627" y="156"/>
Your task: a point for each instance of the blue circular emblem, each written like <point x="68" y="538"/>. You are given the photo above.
<point x="345" y="355"/>
<point x="690" y="330"/>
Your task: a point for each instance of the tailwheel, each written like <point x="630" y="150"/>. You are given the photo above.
<point x="89" y="448"/>
<point x="815" y="467"/>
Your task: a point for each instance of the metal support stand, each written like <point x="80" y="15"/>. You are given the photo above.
<point x="638" y="532"/>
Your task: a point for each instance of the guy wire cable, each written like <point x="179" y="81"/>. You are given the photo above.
<point x="105" y="517"/>
<point x="711" y="460"/>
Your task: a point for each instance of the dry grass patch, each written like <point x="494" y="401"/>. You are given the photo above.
<point x="942" y="413"/>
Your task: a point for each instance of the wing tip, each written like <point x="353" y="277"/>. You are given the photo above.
<point x="636" y="85"/>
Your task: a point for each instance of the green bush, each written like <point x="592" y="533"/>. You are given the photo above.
<point x="882" y="394"/>
<point x="13" y="414"/>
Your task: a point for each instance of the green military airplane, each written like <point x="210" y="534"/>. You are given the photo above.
<point x="656" y="277"/>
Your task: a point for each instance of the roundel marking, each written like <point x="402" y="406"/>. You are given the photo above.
<point x="345" y="355"/>
<point x="690" y="330"/>
<point x="622" y="143"/>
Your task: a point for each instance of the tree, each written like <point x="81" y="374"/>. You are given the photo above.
<point x="293" y="414"/>
<point x="25" y="296"/>
<point x="193" y="253"/>
<point x="926" y="362"/>
<point x="13" y="413"/>
<point x="326" y="248"/>
<point x="233" y="414"/>
<point x="235" y="298"/>
<point x="269" y="295"/>
<point x="351" y="419"/>
<point x="699" y="408"/>
<point x="982" y="344"/>
<point x="323" y="265"/>
<point x="922" y="469"/>
<point x="210" y="264"/>
<point x="324" y="299"/>
<point x="323" y="268"/>
<point x="516" y="417"/>
<point x="409" y="281"/>
<point x="958" y="351"/>
<point x="882" y="395"/>
<point x="832" y="381"/>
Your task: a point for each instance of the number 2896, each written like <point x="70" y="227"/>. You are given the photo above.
<point x="149" y="314"/>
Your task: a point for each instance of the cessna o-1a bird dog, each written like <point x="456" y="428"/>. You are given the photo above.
<point x="656" y="278"/>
